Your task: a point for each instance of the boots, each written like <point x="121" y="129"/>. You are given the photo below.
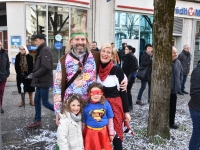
<point x="21" y="103"/>
<point x="31" y="98"/>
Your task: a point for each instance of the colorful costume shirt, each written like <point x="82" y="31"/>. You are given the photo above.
<point x="79" y="85"/>
<point x="97" y="115"/>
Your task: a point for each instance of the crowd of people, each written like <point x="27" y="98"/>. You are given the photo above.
<point x="92" y="89"/>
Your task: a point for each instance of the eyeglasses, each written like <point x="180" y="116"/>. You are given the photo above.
<point x="21" y="49"/>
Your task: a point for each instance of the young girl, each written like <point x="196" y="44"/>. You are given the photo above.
<point x="69" y="132"/>
<point x="97" y="120"/>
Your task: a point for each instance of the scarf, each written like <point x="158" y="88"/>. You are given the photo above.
<point x="103" y="72"/>
<point x="23" y="63"/>
<point x="77" y="119"/>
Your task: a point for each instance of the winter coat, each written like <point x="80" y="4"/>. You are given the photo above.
<point x="4" y="65"/>
<point x="146" y="61"/>
<point x="21" y="78"/>
<point x="69" y="134"/>
<point x="130" y="65"/>
<point x="195" y="89"/>
<point x="43" y="67"/>
<point x="185" y="59"/>
<point x="177" y="76"/>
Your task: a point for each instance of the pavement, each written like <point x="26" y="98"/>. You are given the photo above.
<point x="14" y="120"/>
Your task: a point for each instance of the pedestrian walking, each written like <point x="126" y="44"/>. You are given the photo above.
<point x="175" y="87"/>
<point x="97" y="120"/>
<point x="185" y="58"/>
<point x="194" y="108"/>
<point x="146" y="61"/>
<point x="23" y="67"/>
<point x="69" y="132"/>
<point x="130" y="67"/>
<point x="4" y="73"/>
<point x="42" y="78"/>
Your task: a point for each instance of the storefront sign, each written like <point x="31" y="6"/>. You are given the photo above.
<point x="15" y="41"/>
<point x="58" y="45"/>
<point x="58" y="37"/>
<point x="13" y="60"/>
<point x="187" y="11"/>
<point x="32" y="47"/>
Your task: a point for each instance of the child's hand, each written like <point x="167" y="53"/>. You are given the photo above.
<point x="57" y="119"/>
<point x="111" y="138"/>
<point x="128" y="117"/>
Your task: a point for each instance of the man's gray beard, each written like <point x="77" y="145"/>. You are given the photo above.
<point x="80" y="51"/>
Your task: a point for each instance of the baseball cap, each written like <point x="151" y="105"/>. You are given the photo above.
<point x="39" y="36"/>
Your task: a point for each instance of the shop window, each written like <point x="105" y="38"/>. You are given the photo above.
<point x="35" y="24"/>
<point x="58" y="31"/>
<point x="78" y="18"/>
<point x="197" y="44"/>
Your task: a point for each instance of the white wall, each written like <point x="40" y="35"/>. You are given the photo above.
<point x="103" y="29"/>
<point x="15" y="27"/>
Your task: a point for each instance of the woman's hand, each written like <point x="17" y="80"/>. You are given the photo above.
<point x="124" y="84"/>
<point x="57" y="119"/>
<point x="128" y="117"/>
<point x="111" y="138"/>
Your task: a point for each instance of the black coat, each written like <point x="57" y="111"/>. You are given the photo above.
<point x="185" y="59"/>
<point x="146" y="61"/>
<point x="4" y="65"/>
<point x="130" y="64"/>
<point x="43" y="67"/>
<point x="177" y="76"/>
<point x="195" y="89"/>
<point x="21" y="78"/>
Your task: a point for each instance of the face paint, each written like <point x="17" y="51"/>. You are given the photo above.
<point x="96" y="92"/>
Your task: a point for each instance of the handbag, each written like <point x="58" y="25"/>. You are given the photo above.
<point x="142" y="71"/>
<point x="30" y="76"/>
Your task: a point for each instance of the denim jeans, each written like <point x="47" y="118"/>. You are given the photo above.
<point x="195" y="138"/>
<point x="183" y="83"/>
<point x="142" y="88"/>
<point x="41" y="94"/>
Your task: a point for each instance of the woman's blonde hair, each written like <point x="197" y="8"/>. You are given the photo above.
<point x="22" y="46"/>
<point x="66" y="105"/>
<point x="107" y="45"/>
<point x="77" y="30"/>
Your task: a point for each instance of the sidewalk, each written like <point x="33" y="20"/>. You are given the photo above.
<point x="14" y="119"/>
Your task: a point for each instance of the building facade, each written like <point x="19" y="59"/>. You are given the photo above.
<point x="106" y="21"/>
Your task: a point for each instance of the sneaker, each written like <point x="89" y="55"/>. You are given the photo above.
<point x="174" y="126"/>
<point x="139" y="103"/>
<point x="184" y="92"/>
<point x="2" y="111"/>
<point x="180" y="93"/>
<point x="34" y="125"/>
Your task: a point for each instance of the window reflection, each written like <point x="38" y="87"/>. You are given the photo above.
<point x="197" y="44"/>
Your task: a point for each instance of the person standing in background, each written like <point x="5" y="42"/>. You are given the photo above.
<point x="94" y="46"/>
<point x="194" y="108"/>
<point x="116" y="57"/>
<point x="175" y="87"/>
<point x="4" y="73"/>
<point x="185" y="58"/>
<point x="23" y="67"/>
<point x="130" y="68"/>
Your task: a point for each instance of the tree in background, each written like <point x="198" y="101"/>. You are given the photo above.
<point x="158" y="123"/>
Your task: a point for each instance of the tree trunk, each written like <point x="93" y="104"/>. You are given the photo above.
<point x="158" y="123"/>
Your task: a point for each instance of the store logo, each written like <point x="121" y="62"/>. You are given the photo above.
<point x="187" y="11"/>
<point x="191" y="11"/>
